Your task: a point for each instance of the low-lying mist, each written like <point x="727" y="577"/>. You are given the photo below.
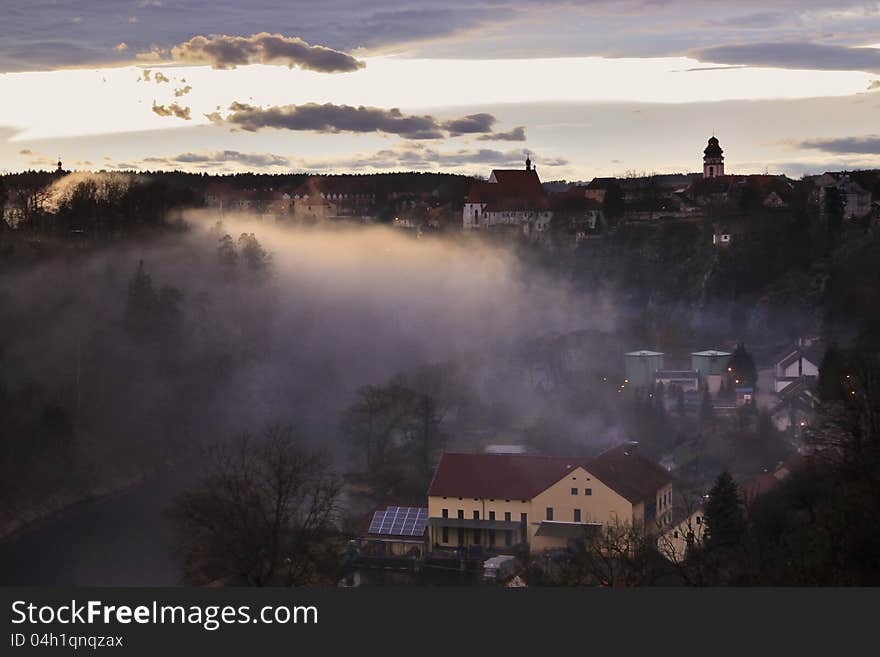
<point x="110" y="366"/>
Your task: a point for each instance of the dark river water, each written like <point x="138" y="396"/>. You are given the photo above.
<point x="120" y="540"/>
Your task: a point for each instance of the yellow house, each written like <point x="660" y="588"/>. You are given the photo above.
<point x="500" y="500"/>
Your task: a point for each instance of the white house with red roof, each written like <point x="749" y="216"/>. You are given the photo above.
<point x="511" y="197"/>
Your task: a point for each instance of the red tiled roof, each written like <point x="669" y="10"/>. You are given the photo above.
<point x="513" y="189"/>
<point x="629" y="473"/>
<point x="522" y="477"/>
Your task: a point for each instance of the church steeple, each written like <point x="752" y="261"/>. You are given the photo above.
<point x="713" y="159"/>
<point x="528" y="162"/>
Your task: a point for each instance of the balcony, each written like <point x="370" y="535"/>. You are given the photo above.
<point x="473" y="523"/>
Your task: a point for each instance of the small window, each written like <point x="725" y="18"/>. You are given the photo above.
<point x="445" y="538"/>
<point x="588" y="491"/>
<point x="577" y="515"/>
<point x="574" y="491"/>
<point x="445" y="513"/>
<point x="675" y="534"/>
<point x="461" y="514"/>
<point x="491" y="515"/>
<point x="507" y="516"/>
<point x="476" y="515"/>
<point x="549" y="513"/>
<point x="699" y="520"/>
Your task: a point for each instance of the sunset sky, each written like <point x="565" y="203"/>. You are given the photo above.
<point x="589" y="87"/>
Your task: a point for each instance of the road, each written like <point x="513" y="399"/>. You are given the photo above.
<point x="120" y="540"/>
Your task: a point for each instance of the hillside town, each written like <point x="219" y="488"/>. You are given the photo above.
<point x="735" y="297"/>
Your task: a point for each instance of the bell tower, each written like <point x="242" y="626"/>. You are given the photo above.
<point x="713" y="159"/>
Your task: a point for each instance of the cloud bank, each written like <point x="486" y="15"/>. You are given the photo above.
<point x="793" y="55"/>
<point x="223" y="51"/>
<point x="332" y="118"/>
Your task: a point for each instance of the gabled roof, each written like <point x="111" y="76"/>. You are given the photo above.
<point x="628" y="473"/>
<point x="520" y="179"/>
<point x="813" y="353"/>
<point x="509" y="189"/>
<point x="522" y="477"/>
<point x="502" y="476"/>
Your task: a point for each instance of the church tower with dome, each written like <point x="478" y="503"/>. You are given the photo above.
<point x="713" y="159"/>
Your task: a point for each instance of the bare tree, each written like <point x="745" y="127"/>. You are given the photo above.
<point x="264" y="515"/>
<point x="616" y="554"/>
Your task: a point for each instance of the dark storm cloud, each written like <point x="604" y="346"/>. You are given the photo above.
<point x="41" y="34"/>
<point x="249" y="159"/>
<point x="866" y="145"/>
<point x="793" y="55"/>
<point x="222" y="51"/>
<point x="172" y="110"/>
<point x="470" y="124"/>
<point x="331" y="118"/>
<point x="517" y="134"/>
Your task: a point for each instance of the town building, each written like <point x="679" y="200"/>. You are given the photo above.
<point x="713" y="159"/>
<point x="496" y="501"/>
<point x="641" y="367"/>
<point x="682" y="536"/>
<point x="856" y="201"/>
<point x="684" y="380"/>
<point x="796" y="406"/>
<point x="797" y="361"/>
<point x="335" y="197"/>
<point x="396" y="531"/>
<point x="712" y="366"/>
<point x="576" y="214"/>
<point x="512" y="198"/>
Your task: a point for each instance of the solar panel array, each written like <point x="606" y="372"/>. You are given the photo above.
<point x="400" y="521"/>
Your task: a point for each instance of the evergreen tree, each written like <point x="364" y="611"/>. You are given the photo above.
<point x="227" y="255"/>
<point x="613" y="203"/>
<point x="255" y="257"/>
<point x="725" y="519"/>
<point x="742" y="366"/>
<point x="831" y="376"/>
